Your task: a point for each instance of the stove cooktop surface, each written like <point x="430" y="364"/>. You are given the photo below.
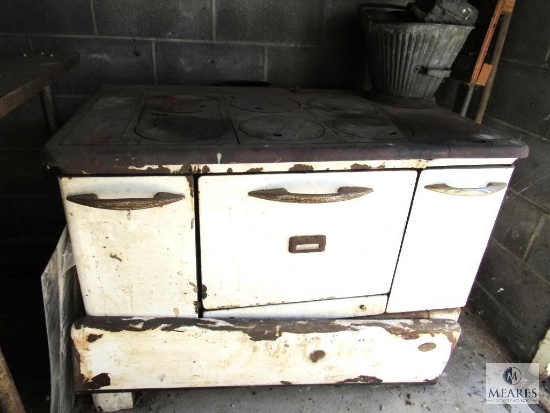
<point x="177" y="123"/>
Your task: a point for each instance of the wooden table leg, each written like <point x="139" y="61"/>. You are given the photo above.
<point x="9" y="397"/>
<point x="50" y="112"/>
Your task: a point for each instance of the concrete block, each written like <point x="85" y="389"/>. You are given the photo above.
<point x="314" y="67"/>
<point x="539" y="257"/>
<point x="520" y="97"/>
<point x="532" y="175"/>
<point x="14" y="43"/>
<point x="40" y="217"/>
<point x="528" y="38"/>
<point x="282" y="21"/>
<point x="9" y="226"/>
<point x="102" y="61"/>
<point x="516" y="224"/>
<point x="483" y="305"/>
<point x="184" y="19"/>
<point x="342" y="24"/>
<point x="524" y="297"/>
<point x="46" y="16"/>
<point x="519" y="337"/>
<point x="204" y="64"/>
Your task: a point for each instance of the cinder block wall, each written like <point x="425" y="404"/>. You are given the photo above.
<point x="512" y="292"/>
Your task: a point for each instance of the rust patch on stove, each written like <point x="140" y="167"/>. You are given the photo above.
<point x="317" y="355"/>
<point x="361" y="379"/>
<point x="115" y="257"/>
<point x="191" y="183"/>
<point x="96" y="382"/>
<point x="229" y="170"/>
<point x="259" y="330"/>
<point x="205" y="169"/>
<point x="203" y="291"/>
<point x="299" y="167"/>
<point x="286" y="383"/>
<point x="359" y="166"/>
<point x="427" y="346"/>
<point x="255" y="170"/>
<point x="93" y="337"/>
<point x="382" y="166"/>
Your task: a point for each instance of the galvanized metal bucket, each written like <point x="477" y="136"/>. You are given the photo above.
<point x="409" y="60"/>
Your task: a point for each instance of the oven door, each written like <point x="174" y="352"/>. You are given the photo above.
<point x="284" y="238"/>
<point x="134" y="244"/>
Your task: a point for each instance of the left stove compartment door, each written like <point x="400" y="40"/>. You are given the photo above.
<point x="133" y="240"/>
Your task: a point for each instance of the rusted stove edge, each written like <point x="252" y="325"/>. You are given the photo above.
<point x="348" y="382"/>
<point x="270" y="329"/>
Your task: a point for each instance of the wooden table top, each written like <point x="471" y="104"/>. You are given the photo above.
<point x="23" y="75"/>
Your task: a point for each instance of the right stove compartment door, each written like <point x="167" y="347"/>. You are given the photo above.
<point x="451" y="220"/>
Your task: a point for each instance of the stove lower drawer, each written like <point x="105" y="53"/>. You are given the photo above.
<point x="113" y="353"/>
<point x="134" y="244"/>
<point x="283" y="238"/>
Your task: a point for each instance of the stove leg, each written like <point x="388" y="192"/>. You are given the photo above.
<point x="50" y="112"/>
<point x="113" y="402"/>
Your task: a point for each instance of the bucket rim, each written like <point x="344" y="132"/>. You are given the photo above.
<point x="423" y="24"/>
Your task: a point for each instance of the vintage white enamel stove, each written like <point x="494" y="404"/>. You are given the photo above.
<point x="258" y="236"/>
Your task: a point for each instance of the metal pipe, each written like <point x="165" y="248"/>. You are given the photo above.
<point x="499" y="43"/>
<point x="48" y="106"/>
<point x="467" y="99"/>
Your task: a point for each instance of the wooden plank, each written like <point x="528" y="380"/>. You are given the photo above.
<point x="23" y="75"/>
<point x="487" y="41"/>
<point x="484" y="75"/>
<point x="113" y="353"/>
<point x="509" y="6"/>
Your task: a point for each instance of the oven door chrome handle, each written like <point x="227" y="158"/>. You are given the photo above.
<point x="344" y="193"/>
<point x="125" y="204"/>
<point x="491" y="188"/>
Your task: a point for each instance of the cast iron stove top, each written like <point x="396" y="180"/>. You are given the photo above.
<point x="125" y="125"/>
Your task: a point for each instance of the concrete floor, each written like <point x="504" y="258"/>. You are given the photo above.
<point x="461" y="389"/>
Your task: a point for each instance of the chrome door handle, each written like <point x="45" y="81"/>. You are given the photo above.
<point x="345" y="193"/>
<point x="125" y="204"/>
<point x="491" y="188"/>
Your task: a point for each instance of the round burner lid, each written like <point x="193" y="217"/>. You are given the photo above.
<point x="179" y="103"/>
<point x="282" y="128"/>
<point x="265" y="104"/>
<point x="368" y="127"/>
<point x="342" y="105"/>
<point x="180" y="129"/>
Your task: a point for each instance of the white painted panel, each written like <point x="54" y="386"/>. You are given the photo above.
<point x="113" y="402"/>
<point x="139" y="262"/>
<point x="116" y="354"/>
<point x="339" y="308"/>
<point x="245" y="240"/>
<point x="445" y="239"/>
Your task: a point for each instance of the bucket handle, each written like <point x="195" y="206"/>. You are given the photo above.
<point x="433" y="72"/>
